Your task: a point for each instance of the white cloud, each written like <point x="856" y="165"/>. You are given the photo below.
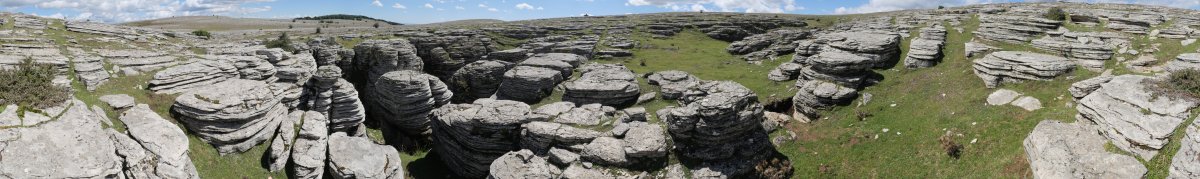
<point x="399" y="6"/>
<point x="377" y="3"/>
<point x="525" y="6"/>
<point x="751" y="6"/>
<point x="427" y="5"/>
<point x="493" y="9"/>
<point x="459" y="7"/>
<point x="130" y="10"/>
<point x="483" y="6"/>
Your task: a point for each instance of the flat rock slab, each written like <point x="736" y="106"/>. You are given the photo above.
<point x="1028" y="103"/>
<point x="1073" y="150"/>
<point x="1002" y="97"/>
<point x="118" y="101"/>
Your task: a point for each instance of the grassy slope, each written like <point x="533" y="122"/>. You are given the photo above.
<point x="928" y="103"/>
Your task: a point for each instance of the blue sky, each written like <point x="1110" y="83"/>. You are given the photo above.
<point x="428" y="11"/>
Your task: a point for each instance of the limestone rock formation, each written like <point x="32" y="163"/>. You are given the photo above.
<point x="975" y="49"/>
<point x="820" y="95"/>
<point x="528" y="84"/>
<point x="926" y="50"/>
<point x="673" y="83"/>
<point x="311" y="146"/>
<point x="405" y="98"/>
<point x="1070" y="150"/>
<point x="90" y="71"/>
<point x="1088" y="49"/>
<point x="444" y="52"/>
<point x="606" y="84"/>
<point x="118" y="101"/>
<point x="718" y="126"/>
<point x="163" y="140"/>
<point x="1127" y="114"/>
<point x="1186" y="162"/>
<point x="1014" y="66"/>
<point x="281" y="146"/>
<point x="469" y="137"/>
<point x="1184" y="61"/>
<point x="479" y="79"/>
<point x="233" y="116"/>
<point x="770" y="44"/>
<point x="197" y="74"/>
<point x="522" y="164"/>
<point x="1013" y="28"/>
<point x="73" y="146"/>
<point x="336" y="99"/>
<point x="359" y="157"/>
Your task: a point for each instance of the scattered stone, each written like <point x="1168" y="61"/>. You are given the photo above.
<point x="1002" y="97"/>
<point x="1028" y="103"/>
<point x="359" y="157"/>
<point x="118" y="101"/>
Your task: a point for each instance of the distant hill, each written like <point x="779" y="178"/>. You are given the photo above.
<point x="346" y="17"/>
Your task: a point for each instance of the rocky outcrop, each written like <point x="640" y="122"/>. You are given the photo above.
<point x="1089" y="49"/>
<point x="846" y="58"/>
<point x="444" y="52"/>
<point x="785" y="72"/>
<point x="311" y="146"/>
<point x="606" y="84"/>
<point x="336" y="99"/>
<point x="926" y="50"/>
<point x="1013" y="29"/>
<point x="373" y="58"/>
<point x="118" y="101"/>
<point x="132" y="62"/>
<point x="672" y="83"/>
<point x="718" y="128"/>
<point x="1127" y="112"/>
<point x="233" y="116"/>
<point x="165" y="143"/>
<point x="197" y="74"/>
<point x="72" y="146"/>
<point x="90" y="70"/>
<point x="469" y="137"/>
<point x="358" y="157"/>
<point x="1137" y="23"/>
<point x="819" y="95"/>
<point x="280" y="151"/>
<point x="480" y="79"/>
<point x="1184" y="61"/>
<point x="405" y="98"/>
<point x="1014" y="66"/>
<point x="522" y="164"/>
<point x="1083" y="88"/>
<point x="770" y="44"/>
<point x="1186" y="162"/>
<point x="1073" y="150"/>
<point x="975" y="49"/>
<point x="528" y="84"/>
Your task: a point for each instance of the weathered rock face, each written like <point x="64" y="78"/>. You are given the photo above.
<point x="539" y="137"/>
<point x="1184" y="61"/>
<point x="1013" y="29"/>
<point x="192" y="75"/>
<point x="358" y="157"/>
<point x="522" y="164"/>
<point x="1083" y="88"/>
<point x="90" y="71"/>
<point x="1186" y="162"/>
<point x="1089" y="49"/>
<point x="335" y="98"/>
<point x="468" y="137"/>
<point x="1073" y="150"/>
<point x="446" y="51"/>
<point x="1127" y="113"/>
<point x="662" y="30"/>
<point x="819" y="95"/>
<point x="975" y="49"/>
<point x="606" y="84"/>
<point x="1015" y="66"/>
<point x="528" y="84"/>
<point x="328" y="52"/>
<point x="373" y="58"/>
<point x="786" y="71"/>
<point x="673" y="83"/>
<point x="480" y="79"/>
<point x="73" y="146"/>
<point x="718" y="126"/>
<point x="233" y="116"/>
<point x="1177" y="31"/>
<point x="405" y="98"/>
<point x="1137" y="23"/>
<point x="134" y="62"/>
<point x="281" y="146"/>
<point x="311" y="146"/>
<point x="846" y="58"/>
<point x="926" y="50"/>
<point x="161" y="138"/>
<point x="774" y="43"/>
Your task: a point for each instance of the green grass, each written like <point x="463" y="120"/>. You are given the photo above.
<point x="947" y="96"/>
<point x="1160" y="165"/>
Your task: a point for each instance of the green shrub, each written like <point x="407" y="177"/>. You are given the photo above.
<point x="1184" y="81"/>
<point x="282" y="42"/>
<point x="202" y="33"/>
<point x="31" y="85"/>
<point x="1055" y="13"/>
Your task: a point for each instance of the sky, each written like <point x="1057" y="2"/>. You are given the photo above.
<point x="430" y="11"/>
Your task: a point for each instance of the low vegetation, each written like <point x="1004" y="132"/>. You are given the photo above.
<point x="202" y="33"/>
<point x="1055" y="13"/>
<point x="347" y="17"/>
<point x="283" y="42"/>
<point x="31" y="85"/>
<point x="1181" y="83"/>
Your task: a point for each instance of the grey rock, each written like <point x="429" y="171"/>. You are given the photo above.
<point x="1085" y="87"/>
<point x="606" y="150"/>
<point x="405" y="98"/>
<point x="1014" y="66"/>
<point x="719" y="124"/>
<point x="1070" y="150"/>
<point x="480" y="79"/>
<point x="818" y="95"/>
<point x="74" y="146"/>
<point x="539" y="137"/>
<point x="1002" y="97"/>
<point x="1186" y="162"/>
<point x="233" y="116"/>
<point x="359" y="157"/>
<point x="163" y="140"/>
<point x="673" y="83"/>
<point x="645" y="140"/>
<point x="522" y="164"/>
<point x="606" y="84"/>
<point x="562" y="157"/>
<point x="528" y="84"/>
<point x="310" y="149"/>
<point x="471" y="136"/>
<point x="1126" y="112"/>
<point x="197" y="74"/>
<point x="975" y="49"/>
<point x="118" y="101"/>
<point x="90" y="71"/>
<point x="926" y="50"/>
<point x="1028" y="103"/>
<point x="1184" y="61"/>
<point x="1013" y="28"/>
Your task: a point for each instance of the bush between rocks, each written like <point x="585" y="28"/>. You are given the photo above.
<point x="1055" y="13"/>
<point x="31" y="85"/>
<point x="1183" y="82"/>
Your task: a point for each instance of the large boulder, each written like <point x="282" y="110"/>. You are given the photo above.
<point x="1013" y="28"/>
<point x="718" y="126"/>
<point x="1073" y="150"/>
<point x="335" y="98"/>
<point x="233" y="116"/>
<point x="528" y="84"/>
<point x="672" y="83"/>
<point x="819" y="95"/>
<point x="359" y="157"/>
<point x="469" y="137"/>
<point x="166" y="143"/>
<point x="192" y="75"/>
<point x="73" y="146"/>
<point x="480" y="79"/>
<point x="522" y="164"/>
<point x="404" y="99"/>
<point x="444" y="52"/>
<point x="1015" y="66"/>
<point x="373" y="58"/>
<point x="606" y="84"/>
<point x="1129" y="113"/>
<point x="926" y="50"/>
<point x="311" y="146"/>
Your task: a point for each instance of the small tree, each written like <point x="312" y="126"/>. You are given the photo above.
<point x="289" y="26"/>
<point x="376" y="25"/>
<point x="283" y="42"/>
<point x="318" y="30"/>
<point x="1055" y="13"/>
<point x="941" y="7"/>
<point x="31" y="85"/>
